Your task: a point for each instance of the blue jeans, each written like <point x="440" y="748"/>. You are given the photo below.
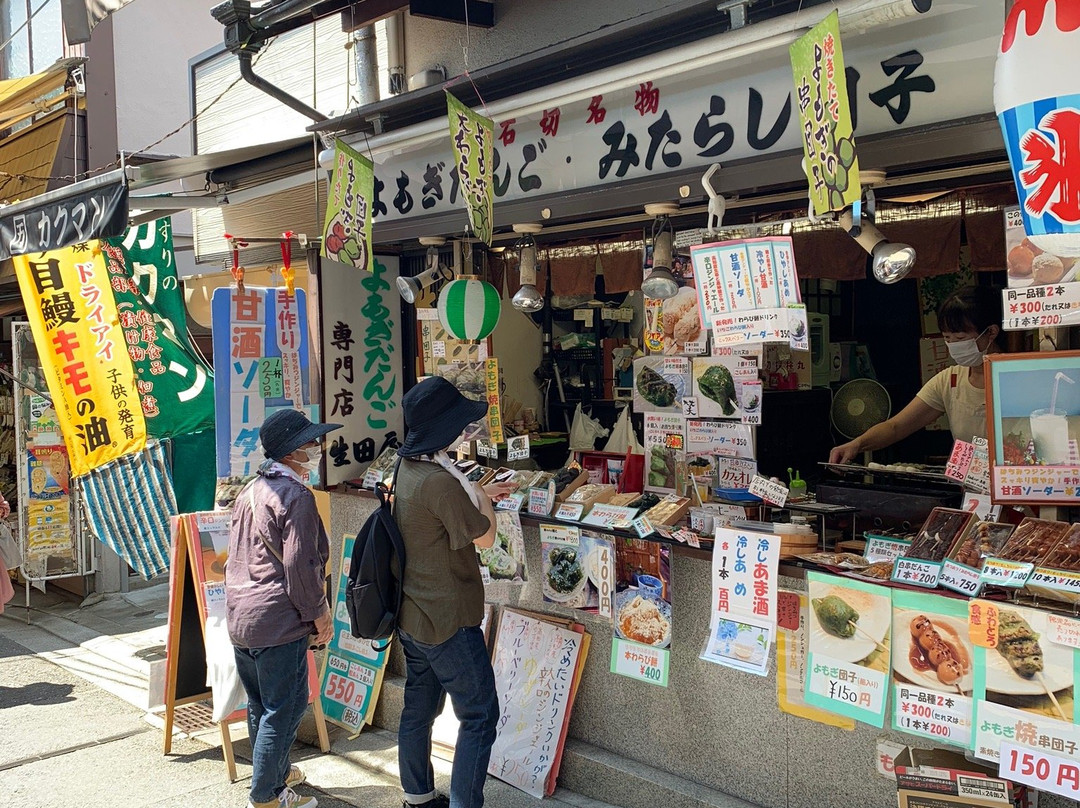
<point x="460" y="668"/>
<point x="276" y="681"/>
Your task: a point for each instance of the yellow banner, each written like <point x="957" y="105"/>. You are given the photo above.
<point x="81" y="347"/>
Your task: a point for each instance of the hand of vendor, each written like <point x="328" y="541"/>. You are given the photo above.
<point x="5" y="508"/>
<point x="497" y="491"/>
<point x="845" y="453"/>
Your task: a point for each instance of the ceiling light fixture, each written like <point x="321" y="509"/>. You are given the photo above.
<point x="660" y="283"/>
<point x="892" y="262"/>
<point x="528" y="298"/>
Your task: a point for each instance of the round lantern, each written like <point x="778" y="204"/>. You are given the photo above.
<point x="469" y="308"/>
<point x="1037" y="100"/>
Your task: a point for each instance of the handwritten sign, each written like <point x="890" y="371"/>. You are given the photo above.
<point x="723" y="438"/>
<point x="1041" y="306"/>
<point x="514" y="502"/>
<point x="346" y="235"/>
<point x="983" y="623"/>
<point x="487" y="449"/>
<point x="960" y="578"/>
<point x="769" y="490"/>
<point x="569" y="511"/>
<point x="471" y="140"/>
<point x="535" y="665"/>
<point x="1063" y="630"/>
<point x="883" y="548"/>
<point x="643" y="527"/>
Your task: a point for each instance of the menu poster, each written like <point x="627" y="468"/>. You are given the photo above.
<point x="1024" y="685"/>
<point x="665" y="447"/>
<point x="742" y="623"/>
<point x="642" y="611"/>
<point x="723" y="438"/>
<point x="661" y="383"/>
<point x="579" y="569"/>
<point x="849" y="658"/>
<point x="718" y="383"/>
<point x="791" y="639"/>
<point x="505" y="559"/>
<point x="933" y="668"/>
<point x="211" y="530"/>
<point x="352" y="675"/>
<point x="536" y="669"/>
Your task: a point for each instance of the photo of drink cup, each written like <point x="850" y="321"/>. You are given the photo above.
<point x="1050" y="433"/>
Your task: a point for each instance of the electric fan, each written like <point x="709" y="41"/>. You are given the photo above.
<point x="859" y="405"/>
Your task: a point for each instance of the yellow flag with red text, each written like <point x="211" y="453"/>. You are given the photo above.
<point x="82" y="350"/>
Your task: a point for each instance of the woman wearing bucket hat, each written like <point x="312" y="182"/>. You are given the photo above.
<point x="443" y="518"/>
<point x="275" y="596"/>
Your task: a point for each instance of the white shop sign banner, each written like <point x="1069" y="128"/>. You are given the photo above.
<point x="932" y="68"/>
<point x="361" y="350"/>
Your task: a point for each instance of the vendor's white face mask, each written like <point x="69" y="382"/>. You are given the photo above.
<point x="966" y="352"/>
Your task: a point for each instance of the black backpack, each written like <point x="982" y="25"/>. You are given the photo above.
<point x="373" y="593"/>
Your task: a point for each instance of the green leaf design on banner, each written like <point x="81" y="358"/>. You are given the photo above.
<point x="346" y="236"/>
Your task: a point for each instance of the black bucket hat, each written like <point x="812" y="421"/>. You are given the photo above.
<point x="285" y="431"/>
<point x="436" y="415"/>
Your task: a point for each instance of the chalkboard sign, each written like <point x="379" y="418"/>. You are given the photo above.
<point x="537" y="664"/>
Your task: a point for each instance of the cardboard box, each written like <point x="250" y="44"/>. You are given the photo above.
<point x="933" y="778"/>
<point x="579" y="481"/>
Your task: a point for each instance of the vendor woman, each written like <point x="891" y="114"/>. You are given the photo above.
<point x="970" y="321"/>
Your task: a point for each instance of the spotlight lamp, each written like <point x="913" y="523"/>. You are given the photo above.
<point x="891" y="261"/>
<point x="660" y="283"/>
<point x="411" y="288"/>
<point x="528" y="299"/>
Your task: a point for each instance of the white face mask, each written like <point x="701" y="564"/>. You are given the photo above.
<point x="966" y="352"/>
<point x="314" y="458"/>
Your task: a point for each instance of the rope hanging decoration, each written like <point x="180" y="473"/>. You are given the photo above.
<point x="237" y="270"/>
<point x="288" y="274"/>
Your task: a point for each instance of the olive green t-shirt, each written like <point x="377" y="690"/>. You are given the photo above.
<point x="443" y="590"/>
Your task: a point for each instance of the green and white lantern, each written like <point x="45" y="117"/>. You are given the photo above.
<point x="469" y="308"/>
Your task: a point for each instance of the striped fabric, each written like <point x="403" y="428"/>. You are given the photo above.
<point x="128" y="504"/>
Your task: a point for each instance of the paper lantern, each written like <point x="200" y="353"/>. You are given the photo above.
<point x="469" y="309"/>
<point x="1037" y="100"/>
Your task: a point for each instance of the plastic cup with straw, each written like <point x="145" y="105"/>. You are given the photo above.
<point x="1050" y="429"/>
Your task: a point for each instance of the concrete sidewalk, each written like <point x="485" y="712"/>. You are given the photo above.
<point x="115" y="644"/>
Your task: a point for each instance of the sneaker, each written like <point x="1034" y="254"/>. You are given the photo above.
<point x="296" y="777"/>
<point x="438" y="801"/>
<point x="288" y="799"/>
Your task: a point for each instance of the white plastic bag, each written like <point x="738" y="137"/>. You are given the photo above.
<point x="584" y="432"/>
<point x="623" y="437"/>
<point x="9" y="548"/>
<point x="221" y="674"/>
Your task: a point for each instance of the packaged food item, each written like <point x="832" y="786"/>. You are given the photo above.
<point x="941" y="530"/>
<point x="981" y="540"/>
<point x="1033" y="540"/>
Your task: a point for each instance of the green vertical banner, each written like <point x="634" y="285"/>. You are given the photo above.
<point x="471" y="137"/>
<point x="175" y="386"/>
<point x="817" y="62"/>
<point x="347" y="229"/>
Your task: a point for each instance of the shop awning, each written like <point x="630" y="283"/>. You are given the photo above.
<point x="23" y="97"/>
<point x="249" y="165"/>
<point x="27" y="158"/>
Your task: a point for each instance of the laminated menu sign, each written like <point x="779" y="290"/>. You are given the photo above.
<point x="579" y="569"/>
<point x="505" y="559"/>
<point x="723" y="438"/>
<point x="353" y="672"/>
<point x="536" y="667"/>
<point x="791" y="640"/>
<point x="660" y="383"/>
<point x="1023" y="687"/>
<point x="849" y="658"/>
<point x="743" y="275"/>
<point x="1041" y="306"/>
<point x="742" y="623"/>
<point x="642" y="611"/>
<point x="718" y="385"/>
<point x="932" y="667"/>
<point x="665" y="447"/>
